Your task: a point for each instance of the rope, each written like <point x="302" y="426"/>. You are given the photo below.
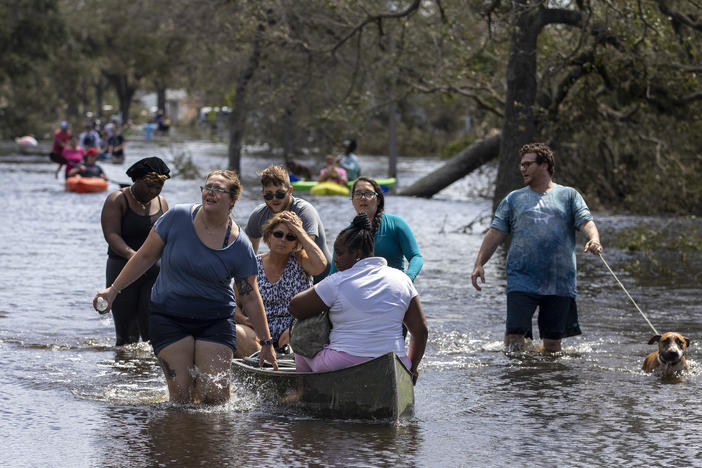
<point x="630" y="298"/>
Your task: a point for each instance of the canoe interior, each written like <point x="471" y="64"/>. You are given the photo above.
<point x="378" y="389"/>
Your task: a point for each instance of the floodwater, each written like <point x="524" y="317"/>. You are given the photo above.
<point x="72" y="399"/>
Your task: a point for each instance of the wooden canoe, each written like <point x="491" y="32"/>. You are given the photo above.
<point x="379" y="389"/>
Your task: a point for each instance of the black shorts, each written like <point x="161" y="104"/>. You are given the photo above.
<point x="558" y="315"/>
<point x="165" y="330"/>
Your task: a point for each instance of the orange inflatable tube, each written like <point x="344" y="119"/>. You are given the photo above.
<point x="86" y="184"/>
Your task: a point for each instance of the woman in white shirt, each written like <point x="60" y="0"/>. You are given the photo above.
<point x="367" y="302"/>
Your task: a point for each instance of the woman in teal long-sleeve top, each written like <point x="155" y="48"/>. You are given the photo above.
<point x="394" y="240"/>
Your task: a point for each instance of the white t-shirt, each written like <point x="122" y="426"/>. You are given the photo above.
<point x="367" y="304"/>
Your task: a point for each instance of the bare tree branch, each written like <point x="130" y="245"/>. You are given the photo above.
<point x="463" y="92"/>
<point x="619" y="115"/>
<point x="375" y="18"/>
<point x="442" y="13"/>
<point x="584" y="66"/>
<point x="681" y="67"/>
<point x="664" y="7"/>
<point x="561" y="16"/>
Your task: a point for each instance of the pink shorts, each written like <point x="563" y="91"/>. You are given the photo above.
<point x="330" y="359"/>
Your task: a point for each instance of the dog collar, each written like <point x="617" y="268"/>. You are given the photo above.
<point x="666" y="363"/>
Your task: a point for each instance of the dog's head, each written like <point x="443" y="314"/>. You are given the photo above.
<point x="671" y="346"/>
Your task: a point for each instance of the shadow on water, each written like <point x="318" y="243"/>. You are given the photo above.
<point x="230" y="435"/>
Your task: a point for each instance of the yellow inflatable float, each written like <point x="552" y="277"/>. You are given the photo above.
<point x="329" y="188"/>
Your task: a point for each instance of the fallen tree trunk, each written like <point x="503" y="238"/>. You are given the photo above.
<point x="457" y="167"/>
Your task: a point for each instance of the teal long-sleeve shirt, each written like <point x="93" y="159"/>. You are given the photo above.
<point x="394" y="242"/>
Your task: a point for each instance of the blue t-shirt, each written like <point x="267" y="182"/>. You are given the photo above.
<point x="541" y="258"/>
<point x="149" y="130"/>
<point x="195" y="280"/>
<point x="394" y="242"/>
<point x="91" y="170"/>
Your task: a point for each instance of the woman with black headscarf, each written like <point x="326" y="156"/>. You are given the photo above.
<point x="127" y="218"/>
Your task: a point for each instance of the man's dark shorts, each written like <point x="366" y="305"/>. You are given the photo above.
<point x="165" y="330"/>
<point x="558" y="315"/>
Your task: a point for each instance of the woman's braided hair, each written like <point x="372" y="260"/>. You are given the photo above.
<point x="378" y="216"/>
<point x="359" y="236"/>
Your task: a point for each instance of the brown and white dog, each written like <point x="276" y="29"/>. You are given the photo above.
<point x="669" y="360"/>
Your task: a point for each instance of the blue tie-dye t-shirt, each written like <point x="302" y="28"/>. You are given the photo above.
<point x="541" y="258"/>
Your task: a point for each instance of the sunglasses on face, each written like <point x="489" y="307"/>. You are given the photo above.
<point x="288" y="237"/>
<point x="526" y="164"/>
<point x="279" y="194"/>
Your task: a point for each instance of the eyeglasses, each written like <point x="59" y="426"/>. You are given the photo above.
<point x="366" y="195"/>
<point x="526" y="164"/>
<point x="213" y="190"/>
<point x="288" y="237"/>
<point x="279" y="194"/>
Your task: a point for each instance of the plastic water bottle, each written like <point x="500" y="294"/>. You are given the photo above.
<point x="101" y="305"/>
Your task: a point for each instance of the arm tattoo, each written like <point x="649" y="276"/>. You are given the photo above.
<point x="243" y="286"/>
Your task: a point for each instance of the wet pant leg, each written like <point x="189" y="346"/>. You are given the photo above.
<point x="130" y="309"/>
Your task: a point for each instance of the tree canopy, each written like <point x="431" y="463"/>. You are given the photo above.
<point x="612" y="85"/>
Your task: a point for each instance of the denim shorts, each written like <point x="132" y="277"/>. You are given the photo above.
<point x="165" y="330"/>
<point x="558" y="315"/>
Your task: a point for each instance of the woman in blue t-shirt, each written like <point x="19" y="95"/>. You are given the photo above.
<point x="191" y="313"/>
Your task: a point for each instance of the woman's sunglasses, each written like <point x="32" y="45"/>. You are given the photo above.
<point x="288" y="237"/>
<point x="279" y="194"/>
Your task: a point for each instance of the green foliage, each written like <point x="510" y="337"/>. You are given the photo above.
<point x="618" y="93"/>
<point x="666" y="251"/>
<point x="184" y="167"/>
<point x="456" y="146"/>
<point x="29" y="30"/>
<point x="25" y="112"/>
<point x="629" y="132"/>
<point x="27" y="41"/>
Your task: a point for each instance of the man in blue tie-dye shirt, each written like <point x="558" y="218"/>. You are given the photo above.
<point x="542" y="219"/>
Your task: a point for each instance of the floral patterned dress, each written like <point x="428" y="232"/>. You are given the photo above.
<point x="276" y="297"/>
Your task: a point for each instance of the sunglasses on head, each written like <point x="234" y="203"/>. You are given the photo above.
<point x="288" y="237"/>
<point x="279" y="194"/>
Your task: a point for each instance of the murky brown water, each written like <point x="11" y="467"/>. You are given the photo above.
<point x="69" y="398"/>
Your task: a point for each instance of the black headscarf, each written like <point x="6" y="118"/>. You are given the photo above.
<point x="146" y="166"/>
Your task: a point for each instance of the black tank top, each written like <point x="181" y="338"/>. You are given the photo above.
<point x="136" y="227"/>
